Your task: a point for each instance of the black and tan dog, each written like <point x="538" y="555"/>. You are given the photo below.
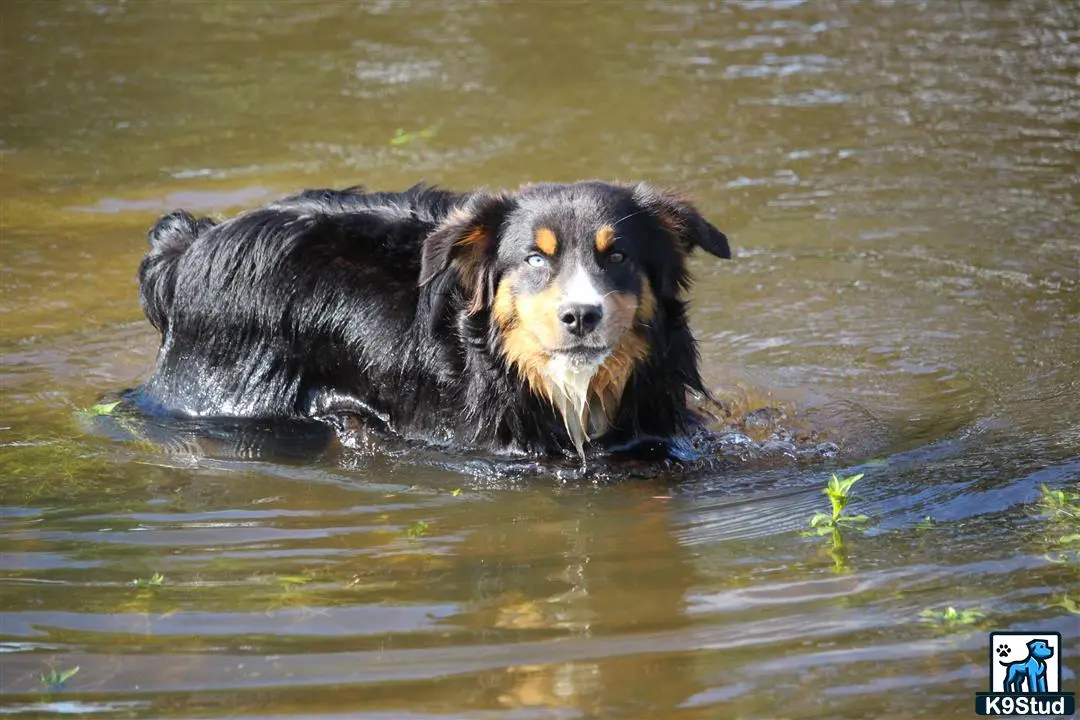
<point x="547" y="321"/>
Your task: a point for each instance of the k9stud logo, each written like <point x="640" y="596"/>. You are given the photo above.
<point x="1025" y="676"/>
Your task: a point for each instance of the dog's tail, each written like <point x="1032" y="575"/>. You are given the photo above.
<point x="170" y="237"/>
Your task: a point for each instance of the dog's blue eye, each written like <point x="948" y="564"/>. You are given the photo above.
<point x="536" y="260"/>
<point x="616" y="257"/>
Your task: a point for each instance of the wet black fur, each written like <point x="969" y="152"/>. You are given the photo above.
<point x="345" y="303"/>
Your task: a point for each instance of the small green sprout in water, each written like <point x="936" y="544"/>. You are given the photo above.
<point x="417" y="530"/>
<point x="54" y="680"/>
<point x="925" y="524"/>
<point x="951" y="617"/>
<point x="294" y="592"/>
<point x="1061" y="507"/>
<point x="1060" y="504"/>
<point x="104" y="408"/>
<point x="839" y="493"/>
<point x="401" y="137"/>
<point x="1066" y="602"/>
<point x="98" y="410"/>
<point x="155" y="580"/>
<point x="455" y="492"/>
<point x="292" y="580"/>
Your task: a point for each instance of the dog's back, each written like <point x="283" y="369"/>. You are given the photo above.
<point x="260" y="312"/>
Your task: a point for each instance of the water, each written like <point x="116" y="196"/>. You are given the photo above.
<point x="899" y="181"/>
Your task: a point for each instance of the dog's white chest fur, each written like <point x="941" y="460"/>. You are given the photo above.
<point x="568" y="386"/>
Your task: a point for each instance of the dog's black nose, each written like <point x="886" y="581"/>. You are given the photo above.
<point x="580" y="319"/>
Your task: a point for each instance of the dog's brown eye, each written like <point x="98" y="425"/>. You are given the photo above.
<point x="616" y="257"/>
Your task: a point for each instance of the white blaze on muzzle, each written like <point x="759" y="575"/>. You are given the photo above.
<point x="582" y="290"/>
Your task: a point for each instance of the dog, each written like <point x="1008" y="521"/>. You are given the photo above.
<point x="549" y="321"/>
<point x="1031" y="669"/>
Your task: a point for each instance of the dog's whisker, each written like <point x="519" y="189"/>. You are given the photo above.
<point x="626" y="217"/>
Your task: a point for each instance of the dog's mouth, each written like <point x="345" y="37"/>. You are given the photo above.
<point x="582" y="354"/>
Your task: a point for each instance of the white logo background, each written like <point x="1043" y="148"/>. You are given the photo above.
<point x="1016" y="644"/>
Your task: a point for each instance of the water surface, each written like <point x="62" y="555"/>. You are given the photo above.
<point x="899" y="182"/>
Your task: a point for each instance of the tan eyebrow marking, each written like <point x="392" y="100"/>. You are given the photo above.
<point x="605" y="238"/>
<point x="545" y="240"/>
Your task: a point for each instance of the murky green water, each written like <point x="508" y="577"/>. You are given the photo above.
<point x="899" y="180"/>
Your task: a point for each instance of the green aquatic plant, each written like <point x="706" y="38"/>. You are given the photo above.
<point x="1066" y="602"/>
<point x="293" y="580"/>
<point x="289" y="597"/>
<point x="104" y="408"/>
<point x="294" y="592"/>
<point x="155" y="580"/>
<point x="54" y="466"/>
<point x="98" y="410"/>
<point x="54" y="680"/>
<point x="1059" y="503"/>
<point x="146" y="601"/>
<point x="838" y="490"/>
<point x="1061" y="509"/>
<point x="839" y="493"/>
<point x="950" y="617"/>
<point x="417" y="530"/>
<point x="455" y="492"/>
<point x="402" y="137"/>
<point x="118" y="416"/>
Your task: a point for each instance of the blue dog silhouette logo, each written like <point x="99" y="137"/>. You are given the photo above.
<point x="1028" y="674"/>
<point x="1025" y="676"/>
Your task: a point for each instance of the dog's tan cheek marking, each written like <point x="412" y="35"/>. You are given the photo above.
<point x="524" y="353"/>
<point x="631" y="347"/>
<point x="621" y="309"/>
<point x="539" y="313"/>
<point x="545" y="240"/>
<point x="605" y="238"/>
<point x="520" y="344"/>
<point x="608" y="384"/>
<point x="504" y="309"/>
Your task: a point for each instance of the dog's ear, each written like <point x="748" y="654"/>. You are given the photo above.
<point x="683" y="221"/>
<point x="466" y="241"/>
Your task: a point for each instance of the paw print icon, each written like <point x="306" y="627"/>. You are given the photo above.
<point x="1002" y="650"/>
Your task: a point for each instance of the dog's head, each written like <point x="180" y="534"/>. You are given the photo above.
<point x="572" y="277"/>
<point x="1040" y="649"/>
